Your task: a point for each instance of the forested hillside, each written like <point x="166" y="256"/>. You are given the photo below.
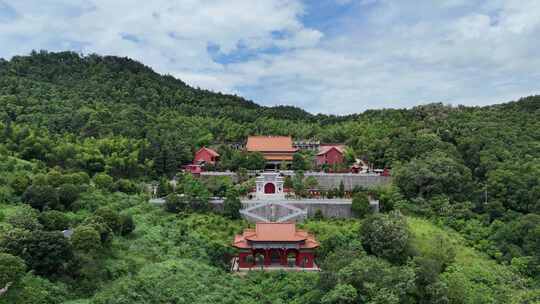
<point x="80" y="135"/>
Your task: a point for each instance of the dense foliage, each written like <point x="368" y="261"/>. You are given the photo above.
<point x="81" y="138"/>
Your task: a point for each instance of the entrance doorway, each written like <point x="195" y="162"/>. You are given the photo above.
<point x="269" y="188"/>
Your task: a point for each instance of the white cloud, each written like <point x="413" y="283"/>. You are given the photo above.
<point x="379" y="54"/>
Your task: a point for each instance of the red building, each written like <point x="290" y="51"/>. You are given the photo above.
<point x="275" y="244"/>
<point x="206" y="156"/>
<point x="330" y="154"/>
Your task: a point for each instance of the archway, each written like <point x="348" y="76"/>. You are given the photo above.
<point x="269" y="188"/>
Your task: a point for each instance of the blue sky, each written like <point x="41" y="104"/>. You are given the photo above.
<point x="329" y="56"/>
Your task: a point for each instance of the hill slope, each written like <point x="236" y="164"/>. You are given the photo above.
<point x="79" y="135"/>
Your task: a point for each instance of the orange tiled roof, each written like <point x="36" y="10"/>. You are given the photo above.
<point x="270" y="144"/>
<point x="275" y="232"/>
<point x="323" y="149"/>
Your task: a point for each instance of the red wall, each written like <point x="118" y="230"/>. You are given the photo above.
<point x="307" y="257"/>
<point x="242" y="263"/>
<point x="333" y="156"/>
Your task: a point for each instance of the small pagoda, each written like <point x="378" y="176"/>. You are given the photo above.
<point x="275" y="246"/>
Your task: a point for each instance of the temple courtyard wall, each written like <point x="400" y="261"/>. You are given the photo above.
<point x="327" y="181"/>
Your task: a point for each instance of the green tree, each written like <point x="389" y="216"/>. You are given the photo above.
<point x="311" y="182"/>
<point x="111" y="218"/>
<point x="341" y="294"/>
<point x="429" y="288"/>
<point x="33" y="289"/>
<point x="100" y="225"/>
<point x="12" y="269"/>
<point x="299" y="162"/>
<point x="377" y="281"/>
<point x="47" y="252"/>
<point x="349" y="156"/>
<point x="193" y="188"/>
<point x="386" y="236"/>
<point x="19" y="183"/>
<point x="103" y="181"/>
<point x="432" y="175"/>
<point x="516" y="185"/>
<point x="176" y="203"/>
<point x="218" y="185"/>
<point x="360" y="204"/>
<point x="14" y="241"/>
<point x="24" y="217"/>
<point x="54" y="220"/>
<point x="40" y="197"/>
<point x="254" y="161"/>
<point x="298" y="184"/>
<point x="232" y="205"/>
<point x="341" y="189"/>
<point x="86" y="239"/>
<point x="68" y="194"/>
<point x="127" y="224"/>
<point x="126" y="186"/>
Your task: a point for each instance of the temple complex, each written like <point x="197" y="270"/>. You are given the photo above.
<point x="275" y="246"/>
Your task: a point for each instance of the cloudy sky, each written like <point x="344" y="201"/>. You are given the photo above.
<point x="330" y="56"/>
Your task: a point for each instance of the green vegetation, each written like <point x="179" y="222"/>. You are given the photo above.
<point x="81" y="137"/>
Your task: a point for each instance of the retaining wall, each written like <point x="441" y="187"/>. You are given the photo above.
<point x="330" y="208"/>
<point x="350" y="181"/>
<point x="328" y="181"/>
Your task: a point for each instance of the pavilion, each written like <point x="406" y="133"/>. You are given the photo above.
<point x="275" y="246"/>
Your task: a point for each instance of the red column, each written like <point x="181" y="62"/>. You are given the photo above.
<point x="267" y="257"/>
<point x="283" y="253"/>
